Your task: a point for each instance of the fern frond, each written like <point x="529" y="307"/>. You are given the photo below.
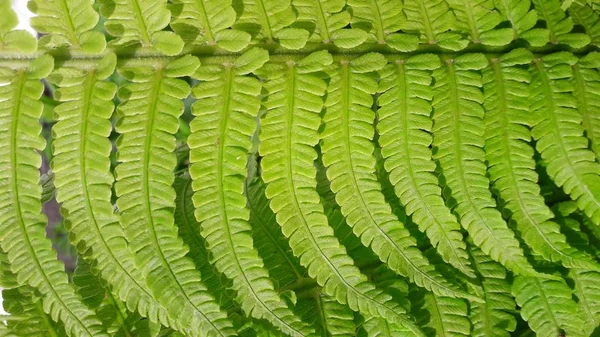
<point x="202" y="22"/>
<point x="495" y="316"/>
<point x="81" y="167"/>
<point x="348" y="155"/>
<point x="219" y="144"/>
<point x="587" y="296"/>
<point x="434" y="19"/>
<point x="140" y="23"/>
<point x="109" y="310"/>
<point x="440" y="315"/>
<point x="458" y="139"/>
<point x="270" y="20"/>
<point x="479" y="19"/>
<point x="405" y="136"/>
<point x="148" y="118"/>
<point x="383" y="19"/>
<point x="27" y="316"/>
<point x="588" y="18"/>
<point x="520" y="15"/>
<point x="379" y="327"/>
<point x="189" y="231"/>
<point x="547" y="306"/>
<point x="67" y="23"/>
<point x="288" y="134"/>
<point x="586" y="88"/>
<point x="22" y="226"/>
<point x="558" y="27"/>
<point x="324" y="311"/>
<point x="510" y="159"/>
<point x="559" y="135"/>
<point x="329" y="18"/>
<point x="11" y="39"/>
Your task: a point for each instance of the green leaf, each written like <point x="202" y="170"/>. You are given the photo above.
<point x="405" y="136"/>
<point x="458" y="142"/>
<point x="547" y="306"/>
<point x="559" y="134"/>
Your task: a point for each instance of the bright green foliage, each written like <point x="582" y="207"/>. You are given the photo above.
<point x="328" y="18"/>
<point x="405" y="136"/>
<point x="269" y="22"/>
<point x="510" y="160"/>
<point x="214" y="18"/>
<point x="493" y="317"/>
<point x="381" y="19"/>
<point x="559" y="134"/>
<point x="520" y="15"/>
<point x="547" y="306"/>
<point x="305" y="168"/>
<point x="458" y="141"/>
<point x="433" y="19"/>
<point x="140" y="23"/>
<point x="23" y="227"/>
<point x="558" y="26"/>
<point x="292" y="187"/>
<point x="72" y="31"/>
<point x="478" y="19"/>
<point x="220" y="141"/>
<point x="348" y="155"/>
<point x="147" y="119"/>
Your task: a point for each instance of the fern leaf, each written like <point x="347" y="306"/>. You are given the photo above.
<point x="329" y="18"/>
<point x="24" y="307"/>
<point x="140" y="23"/>
<point x="547" y="306"/>
<point x="67" y="23"/>
<point x="288" y="134"/>
<point x="440" y="315"/>
<point x="458" y="131"/>
<point x="383" y="21"/>
<point x="219" y="144"/>
<point x="21" y="223"/>
<point x="433" y="19"/>
<point x="479" y="19"/>
<point x="148" y="117"/>
<point x="109" y="310"/>
<point x="405" y="136"/>
<point x="348" y="154"/>
<point x="379" y="327"/>
<point x="202" y="22"/>
<point x="81" y="167"/>
<point x="218" y="285"/>
<point x="587" y="295"/>
<point x="588" y="18"/>
<point x="324" y="311"/>
<point x="511" y="164"/>
<point x="11" y="39"/>
<point x="559" y="134"/>
<point x="270" y="22"/>
<point x="558" y="27"/>
<point x="495" y="316"/>
<point x="586" y="88"/>
<point x="520" y="15"/>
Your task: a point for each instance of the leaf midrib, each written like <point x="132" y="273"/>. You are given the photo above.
<point x="227" y="90"/>
<point x="345" y="126"/>
<point x="21" y="80"/>
<point x="403" y="84"/>
<point x="551" y="118"/>
<point x="511" y="173"/>
<point x="296" y="204"/>
<point x="152" y="110"/>
<point x="87" y="98"/>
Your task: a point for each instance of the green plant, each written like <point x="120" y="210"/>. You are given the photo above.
<point x="342" y="168"/>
